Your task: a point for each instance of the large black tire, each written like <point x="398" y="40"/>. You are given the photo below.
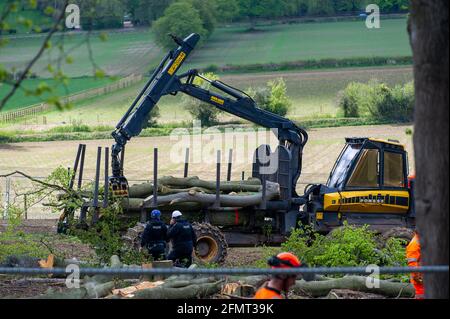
<point x="212" y="247"/>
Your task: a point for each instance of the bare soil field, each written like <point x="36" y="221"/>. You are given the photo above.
<point x="324" y="146"/>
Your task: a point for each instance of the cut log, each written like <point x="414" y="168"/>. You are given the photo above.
<point x="187" y="292"/>
<point x="134" y="206"/>
<point x="171" y="185"/>
<point x="355" y="283"/>
<point x="272" y="191"/>
<point x="323" y="287"/>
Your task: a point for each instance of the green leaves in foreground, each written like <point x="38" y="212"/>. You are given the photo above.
<point x="346" y="246"/>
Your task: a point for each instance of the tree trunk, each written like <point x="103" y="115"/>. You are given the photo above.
<point x="323" y="286"/>
<point x="354" y="283"/>
<point x="428" y="28"/>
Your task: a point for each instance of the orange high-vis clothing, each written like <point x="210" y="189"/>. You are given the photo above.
<point x="413" y="257"/>
<point x="268" y="293"/>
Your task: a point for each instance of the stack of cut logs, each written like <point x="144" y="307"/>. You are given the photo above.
<point x="191" y="194"/>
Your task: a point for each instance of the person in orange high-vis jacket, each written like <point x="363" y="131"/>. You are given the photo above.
<point x="413" y="257"/>
<point x="278" y="284"/>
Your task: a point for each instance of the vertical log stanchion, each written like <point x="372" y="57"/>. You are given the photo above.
<point x="75" y="166"/>
<point x="217" y="203"/>
<point x="186" y="163"/>
<point x="96" y="187"/>
<point x="80" y="176"/>
<point x="264" y="183"/>
<point x="230" y="165"/>
<point x="106" y="187"/>
<point x="243" y="176"/>
<point x="155" y="186"/>
<point x="122" y="160"/>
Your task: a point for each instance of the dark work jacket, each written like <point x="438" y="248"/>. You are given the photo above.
<point x="183" y="237"/>
<point x="155" y="232"/>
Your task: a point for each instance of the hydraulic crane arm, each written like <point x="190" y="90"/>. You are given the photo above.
<point x="231" y="100"/>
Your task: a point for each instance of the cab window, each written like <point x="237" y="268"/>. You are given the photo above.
<point x="393" y="170"/>
<point x="365" y="173"/>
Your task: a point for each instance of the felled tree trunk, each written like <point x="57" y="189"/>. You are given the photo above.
<point x="134" y="206"/>
<point x="356" y="283"/>
<point x="324" y="285"/>
<point x="171" y="185"/>
<point x="272" y="191"/>
<point x="187" y="292"/>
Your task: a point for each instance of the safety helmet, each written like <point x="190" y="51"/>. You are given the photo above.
<point x="156" y="214"/>
<point x="176" y="214"/>
<point x="284" y="260"/>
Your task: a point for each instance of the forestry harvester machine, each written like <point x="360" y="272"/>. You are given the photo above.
<point x="368" y="184"/>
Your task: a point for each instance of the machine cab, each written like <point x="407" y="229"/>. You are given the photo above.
<point x="367" y="164"/>
<point x="368" y="185"/>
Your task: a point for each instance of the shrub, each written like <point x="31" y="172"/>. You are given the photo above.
<point x="345" y="246"/>
<point x="152" y="118"/>
<point x="351" y="98"/>
<point x="199" y="110"/>
<point x="273" y="97"/>
<point x="378" y="101"/>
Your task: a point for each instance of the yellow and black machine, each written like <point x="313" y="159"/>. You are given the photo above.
<point x="368" y="185"/>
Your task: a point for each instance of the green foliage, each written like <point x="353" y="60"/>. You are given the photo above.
<point x="207" y="11"/>
<point x="75" y="126"/>
<point x="349" y="246"/>
<point x="353" y="99"/>
<point x="180" y="19"/>
<point x="18" y="243"/>
<point x="101" y="14"/>
<point x="392" y="5"/>
<point x="379" y="101"/>
<point x="152" y="118"/>
<point x="105" y="236"/>
<point x="320" y="7"/>
<point x="272" y="98"/>
<point x="345" y="246"/>
<point x="204" y="112"/>
<point x="144" y="12"/>
<point x="227" y="10"/>
<point x="21" y="244"/>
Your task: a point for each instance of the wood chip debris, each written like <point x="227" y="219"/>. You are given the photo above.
<point x="128" y="292"/>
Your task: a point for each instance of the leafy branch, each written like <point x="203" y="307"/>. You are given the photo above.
<point x="45" y="45"/>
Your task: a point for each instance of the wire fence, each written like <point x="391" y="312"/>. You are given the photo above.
<point x="224" y="271"/>
<point x="37" y="109"/>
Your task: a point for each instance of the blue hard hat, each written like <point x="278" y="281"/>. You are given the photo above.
<point x="156" y="214"/>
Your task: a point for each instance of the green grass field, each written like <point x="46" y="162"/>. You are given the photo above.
<point x="283" y="43"/>
<point x="313" y="95"/>
<point x="21" y="99"/>
<point x="135" y="51"/>
<point x="123" y="53"/>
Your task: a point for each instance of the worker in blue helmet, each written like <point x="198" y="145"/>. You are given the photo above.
<point x="154" y="237"/>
